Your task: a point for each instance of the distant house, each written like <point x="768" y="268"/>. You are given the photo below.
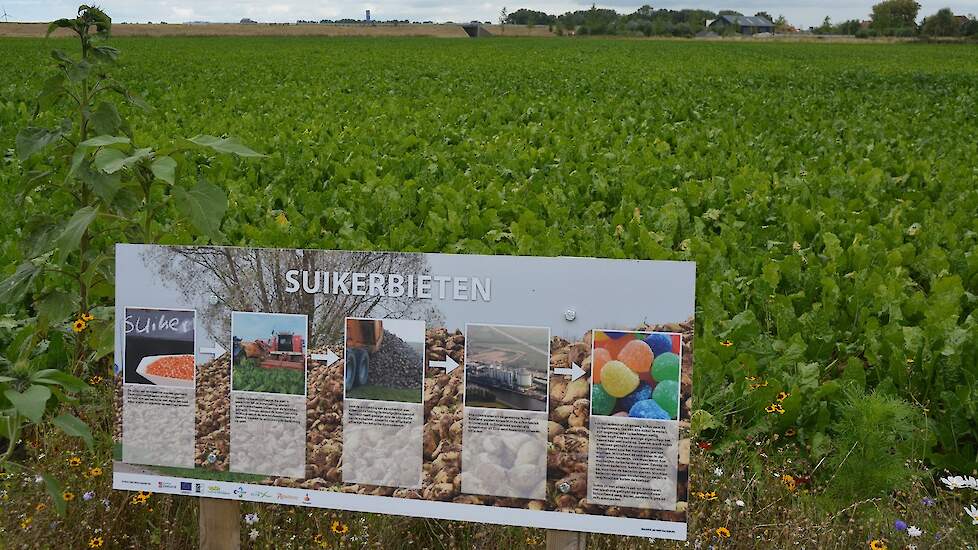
<point x="742" y="24"/>
<point x="247" y="21"/>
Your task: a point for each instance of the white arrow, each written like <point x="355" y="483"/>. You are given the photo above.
<point x="217" y="351"/>
<point x="575" y="371"/>
<point x="448" y="364"/>
<point x="329" y="357"/>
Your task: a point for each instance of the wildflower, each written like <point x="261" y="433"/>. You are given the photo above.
<point x="973" y="512"/>
<point x="900" y="525"/>
<point x="782" y="396"/>
<point x="107" y="503"/>
<point x="87" y="317"/>
<point x="927" y="501"/>
<point x="712" y="495"/>
<point x="740" y="503"/>
<point x="761" y="384"/>
<point x="96" y="542"/>
<point x="750" y="378"/>
<point x="68" y="496"/>
<point x="790" y="432"/>
<point x="140" y="498"/>
<point x="251" y="519"/>
<point x="877" y="544"/>
<point x="89" y="495"/>
<point x="705" y="445"/>
<point x="319" y="538"/>
<point x="726" y="343"/>
<point x="26" y="522"/>
<point x="789" y="482"/>
<point x="78" y="325"/>
<point x="960" y="482"/>
<point x="718" y="471"/>
<point x="95" y="380"/>
<point x="339" y="528"/>
<point x="74" y="461"/>
<point x="253" y="534"/>
<point x="774" y="408"/>
<point x="914" y="531"/>
<point x="39" y="479"/>
<point x="722" y="532"/>
<point x="40" y="507"/>
<point x="95" y="472"/>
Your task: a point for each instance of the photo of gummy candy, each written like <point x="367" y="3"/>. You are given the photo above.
<point x="636" y="374"/>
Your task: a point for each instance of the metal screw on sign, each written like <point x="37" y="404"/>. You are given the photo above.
<point x="570" y="315"/>
<point x="564" y="487"/>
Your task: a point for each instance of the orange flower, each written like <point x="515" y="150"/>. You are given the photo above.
<point x="74" y="461"/>
<point x="877" y="544"/>
<point x="78" y="325"/>
<point x="726" y="343"/>
<point x="95" y="472"/>
<point x="339" y="528"/>
<point x="68" y="496"/>
<point x="96" y="542"/>
<point x="722" y="532"/>
<point x="782" y="396"/>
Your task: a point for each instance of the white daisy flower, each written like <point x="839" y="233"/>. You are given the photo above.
<point x="973" y="512"/>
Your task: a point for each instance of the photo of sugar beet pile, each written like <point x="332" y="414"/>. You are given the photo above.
<point x="636" y="374"/>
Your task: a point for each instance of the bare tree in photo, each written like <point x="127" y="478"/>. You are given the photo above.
<point x="219" y="280"/>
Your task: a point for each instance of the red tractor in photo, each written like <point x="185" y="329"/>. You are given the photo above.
<point x="281" y="351"/>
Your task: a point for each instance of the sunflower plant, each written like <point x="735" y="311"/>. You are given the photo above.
<point x="89" y="181"/>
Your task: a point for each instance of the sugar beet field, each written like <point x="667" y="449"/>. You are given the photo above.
<point x="827" y="192"/>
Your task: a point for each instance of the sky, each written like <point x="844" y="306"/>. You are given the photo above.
<point x="802" y="14"/>
<point x="254" y="326"/>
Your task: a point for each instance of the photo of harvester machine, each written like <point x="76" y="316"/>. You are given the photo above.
<point x="281" y="351"/>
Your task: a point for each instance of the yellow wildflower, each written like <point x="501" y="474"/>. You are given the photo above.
<point x="339" y="528"/>
<point x="723" y="532"/>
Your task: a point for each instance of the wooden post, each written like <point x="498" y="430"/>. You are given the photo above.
<point x="566" y="540"/>
<point x="220" y="524"/>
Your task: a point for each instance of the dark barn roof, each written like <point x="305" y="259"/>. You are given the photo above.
<point x="746" y="21"/>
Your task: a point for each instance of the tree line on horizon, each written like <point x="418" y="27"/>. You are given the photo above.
<point x="888" y="18"/>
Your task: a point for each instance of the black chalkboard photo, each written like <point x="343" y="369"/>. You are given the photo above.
<point x="159" y="347"/>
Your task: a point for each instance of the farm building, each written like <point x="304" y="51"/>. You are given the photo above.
<point x="742" y="24"/>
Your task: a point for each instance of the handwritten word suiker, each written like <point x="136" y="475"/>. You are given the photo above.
<point x="392" y="285"/>
<point x="161" y="322"/>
